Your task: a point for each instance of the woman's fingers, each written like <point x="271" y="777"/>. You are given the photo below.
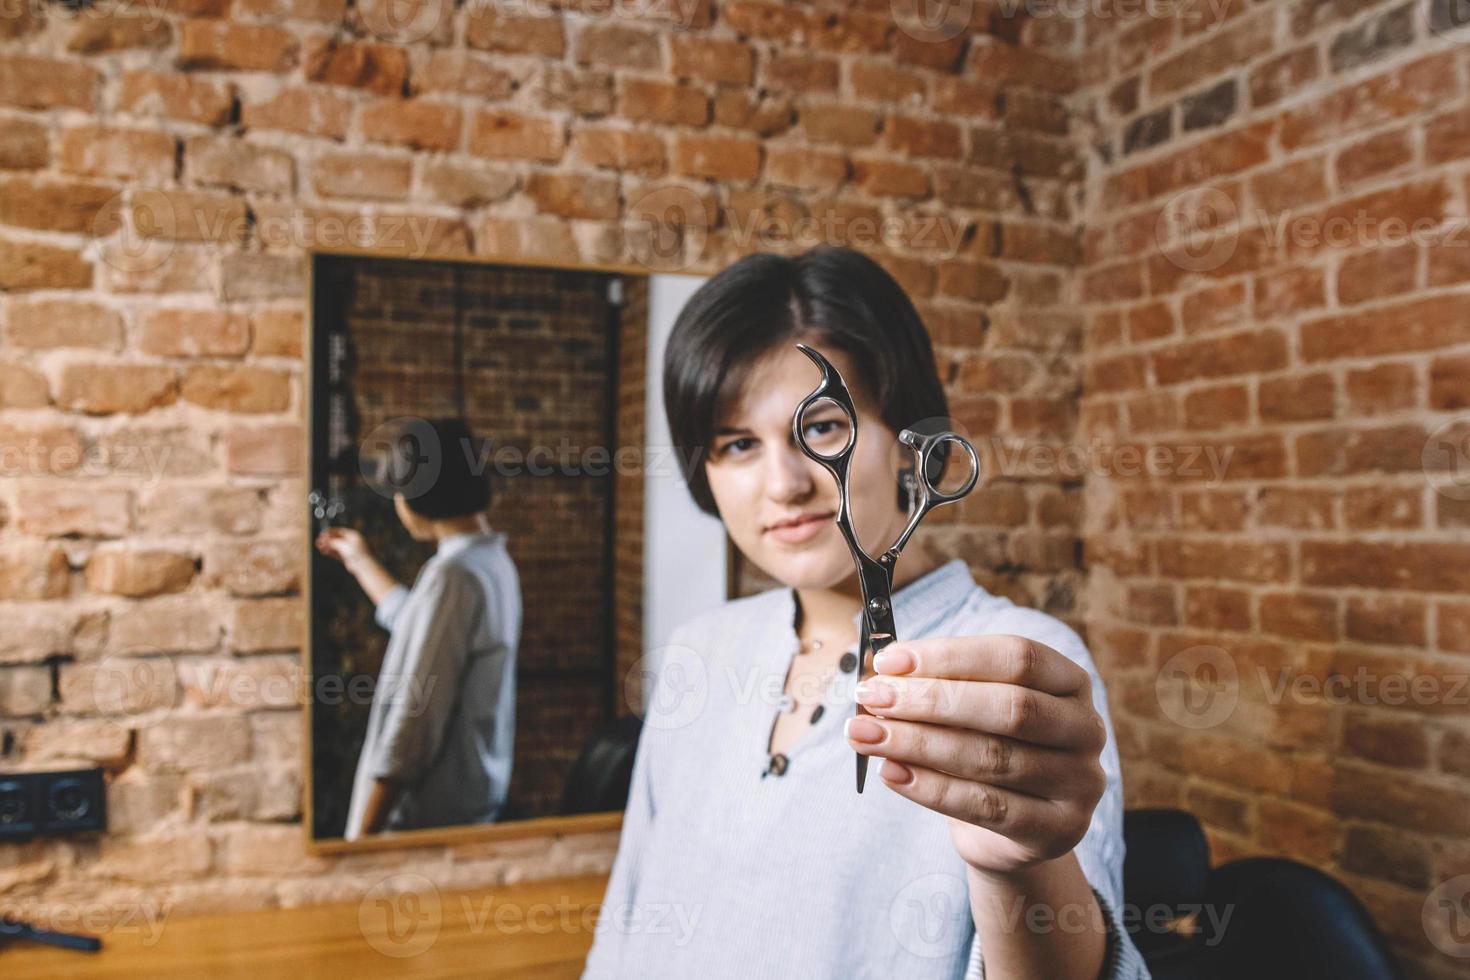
<point x="994" y="759"/>
<point x="998" y="709"/>
<point x="1027" y="820"/>
<point x="997" y="657"/>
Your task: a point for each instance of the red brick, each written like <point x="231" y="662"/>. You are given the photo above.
<point x="414" y="123"/>
<point x="380" y="68"/>
<point x="1242" y="561"/>
<point x="1419" y="566"/>
<point x="1373" y="508"/>
<point x="1373" y="157"/>
<point x="1382" y="388"/>
<point x="139" y="573"/>
<point x="1394" y="95"/>
<point x="1418" y="324"/>
<point x="997" y="61"/>
<point x="719" y="158"/>
<point x="612" y="148"/>
<point x="488" y="29"/>
<point x="1386" y="620"/>
<point x="237" y="388"/>
<point x="125" y="154"/>
<point x="1449" y="383"/>
<point x="299" y="110"/>
<point x="45" y="83"/>
<point x="889" y="178"/>
<point x="1297" y="508"/>
<point x="175" y="96"/>
<point x="835" y="123"/>
<point x="805" y="169"/>
<point x="1219" y="407"/>
<point x="512" y="136"/>
<point x="63" y="323"/>
<point x="1300" y="615"/>
<point x="711" y="60"/>
<point x="107" y="389"/>
<point x="574" y="195"/>
<point x="1290" y="186"/>
<point x="619" y="46"/>
<point x="1273" y="80"/>
<point x="358" y="175"/>
<point x="103" y="32"/>
<point x="1336" y="452"/>
<point x="1288" y="291"/>
<point x="1391" y="741"/>
<point x="922" y="138"/>
<point x="192" y="333"/>
<point x="800" y="74"/>
<point x="60" y="205"/>
<point x="662" y="102"/>
<point x="34" y="265"/>
<point x="1223" y="50"/>
<point x="1240" y="353"/>
<point x="235" y="46"/>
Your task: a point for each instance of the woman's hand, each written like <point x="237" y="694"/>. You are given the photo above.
<point x="344" y="544"/>
<point x="996" y="732"/>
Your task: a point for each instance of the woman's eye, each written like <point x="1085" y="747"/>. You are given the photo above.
<point x="736" y="446"/>
<point x="826" y="432"/>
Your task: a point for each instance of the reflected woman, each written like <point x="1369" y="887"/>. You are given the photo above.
<point x="992" y="843"/>
<point x="441" y="728"/>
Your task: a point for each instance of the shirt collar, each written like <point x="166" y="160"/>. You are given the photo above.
<point x="921" y="604"/>
<point x="459" y="541"/>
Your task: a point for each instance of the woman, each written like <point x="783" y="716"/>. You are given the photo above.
<point x="992" y="845"/>
<point x="441" y="729"/>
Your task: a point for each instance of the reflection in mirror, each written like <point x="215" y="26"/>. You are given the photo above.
<point x="477" y="595"/>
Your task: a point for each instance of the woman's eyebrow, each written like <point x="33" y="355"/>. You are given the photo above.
<point x="726" y="430"/>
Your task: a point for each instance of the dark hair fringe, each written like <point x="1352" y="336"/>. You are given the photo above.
<point x="829" y="294"/>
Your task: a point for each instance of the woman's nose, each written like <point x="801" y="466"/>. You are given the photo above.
<point x="789" y="474"/>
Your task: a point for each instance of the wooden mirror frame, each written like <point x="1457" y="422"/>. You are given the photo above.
<point x="553" y="826"/>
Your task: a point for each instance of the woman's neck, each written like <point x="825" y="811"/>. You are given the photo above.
<point x="828" y="613"/>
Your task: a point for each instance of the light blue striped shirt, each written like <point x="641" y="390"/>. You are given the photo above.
<point x="721" y="872"/>
<point x="443" y="715"/>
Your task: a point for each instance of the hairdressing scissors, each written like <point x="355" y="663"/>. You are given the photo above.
<point x="875" y="574"/>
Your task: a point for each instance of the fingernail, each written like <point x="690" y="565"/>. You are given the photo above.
<point x="861" y="729"/>
<point x="896" y="773"/>
<point x="894" y="660"/>
<point x="875" y="694"/>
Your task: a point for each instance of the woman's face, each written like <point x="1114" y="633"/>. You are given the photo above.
<point x="779" y="506"/>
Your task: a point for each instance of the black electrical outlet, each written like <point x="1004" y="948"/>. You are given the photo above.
<point x="52" y="803"/>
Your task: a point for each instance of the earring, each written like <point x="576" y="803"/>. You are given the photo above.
<point x="906" y="487"/>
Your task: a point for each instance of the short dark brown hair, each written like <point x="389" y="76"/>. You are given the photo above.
<point x="828" y="294"/>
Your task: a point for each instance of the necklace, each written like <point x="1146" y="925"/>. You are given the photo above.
<point x="778" y="762"/>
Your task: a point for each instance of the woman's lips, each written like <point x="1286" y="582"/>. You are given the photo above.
<point x="804" y="530"/>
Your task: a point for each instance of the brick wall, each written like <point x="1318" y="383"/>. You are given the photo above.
<point x="1275" y="266"/>
<point x="160" y="180"/>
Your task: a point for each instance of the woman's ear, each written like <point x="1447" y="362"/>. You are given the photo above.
<point x="906" y="488"/>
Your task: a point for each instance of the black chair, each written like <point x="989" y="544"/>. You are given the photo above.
<point x="599" y="779"/>
<point x="1257" y="918"/>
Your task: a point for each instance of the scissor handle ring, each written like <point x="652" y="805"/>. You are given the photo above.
<point x="924" y="447"/>
<point x="832" y="389"/>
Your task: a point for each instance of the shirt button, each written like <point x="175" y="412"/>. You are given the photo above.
<point x="817" y="712"/>
<point x="779" y="762"/>
<point x="848" y="663"/>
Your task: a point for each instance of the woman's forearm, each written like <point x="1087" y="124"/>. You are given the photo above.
<point x="1041" y="922"/>
<point x="373" y="577"/>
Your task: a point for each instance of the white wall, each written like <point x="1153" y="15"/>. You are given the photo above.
<point x="683" y="547"/>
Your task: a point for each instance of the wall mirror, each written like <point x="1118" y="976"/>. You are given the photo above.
<point x="545" y="380"/>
